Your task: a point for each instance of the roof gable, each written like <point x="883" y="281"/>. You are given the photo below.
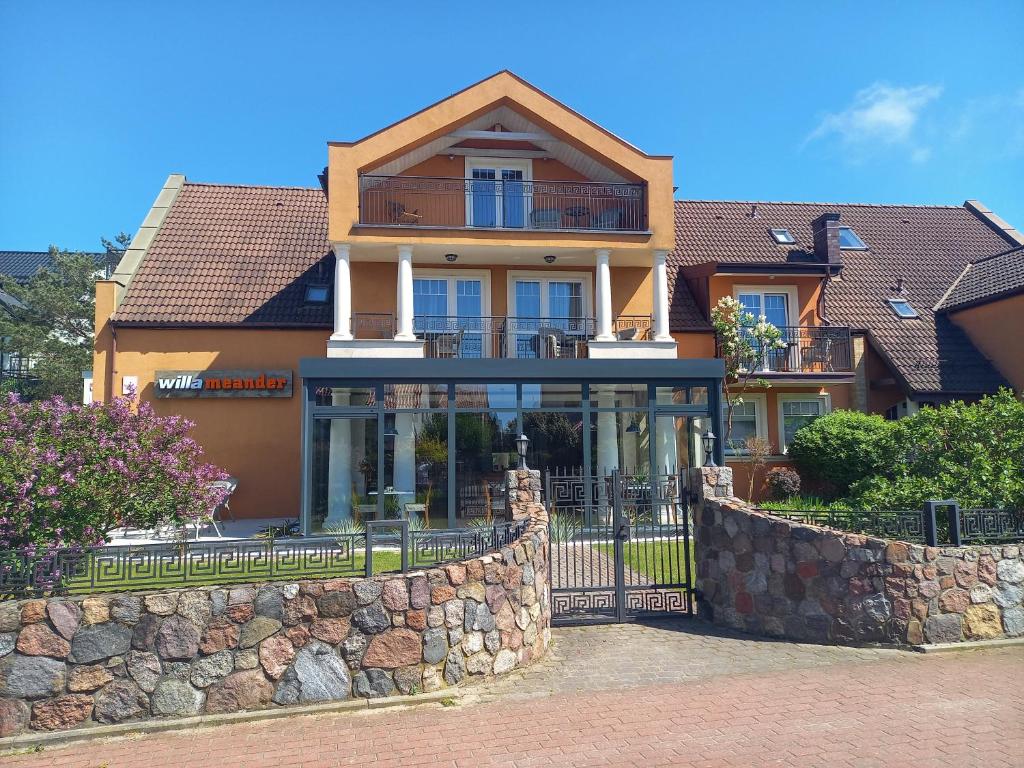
<point x="988" y="279"/>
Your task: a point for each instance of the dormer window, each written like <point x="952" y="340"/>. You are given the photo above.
<point x="849" y="240"/>
<point x="317" y="294"/>
<point x="783" y="236"/>
<point x="902" y="308"/>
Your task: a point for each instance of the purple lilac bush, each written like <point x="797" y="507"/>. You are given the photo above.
<point x="70" y="474"/>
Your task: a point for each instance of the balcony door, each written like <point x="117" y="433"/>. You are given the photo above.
<point x="450" y="313"/>
<point x="550" y="315"/>
<point x="776" y="307"/>
<point x="497" y="194"/>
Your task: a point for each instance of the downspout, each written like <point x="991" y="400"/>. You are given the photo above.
<point x="113" y="363"/>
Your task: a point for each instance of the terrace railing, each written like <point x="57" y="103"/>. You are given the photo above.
<point x="512" y="204"/>
<point x="191" y="563"/>
<point x="806" y="349"/>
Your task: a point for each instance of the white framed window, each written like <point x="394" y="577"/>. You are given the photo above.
<point x="797" y="410"/>
<point x="554" y="295"/>
<point x="778" y="303"/>
<point x="498" y="193"/>
<point x="749" y="419"/>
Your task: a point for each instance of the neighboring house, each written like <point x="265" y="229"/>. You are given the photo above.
<point x="20" y="267"/>
<point x="494" y="264"/>
<point x="987" y="302"/>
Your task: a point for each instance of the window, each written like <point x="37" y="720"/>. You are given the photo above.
<point x="796" y="411"/>
<point x="748" y="420"/>
<point x="783" y="236"/>
<point x="497" y="194"/>
<point x="902" y="308"/>
<point x="849" y="239"/>
<point x="316" y="294"/>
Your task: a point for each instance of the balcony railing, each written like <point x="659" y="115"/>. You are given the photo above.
<point x="501" y="336"/>
<point x="808" y="349"/>
<point x="427" y="201"/>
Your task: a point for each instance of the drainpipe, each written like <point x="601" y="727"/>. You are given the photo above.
<point x="113" y="364"/>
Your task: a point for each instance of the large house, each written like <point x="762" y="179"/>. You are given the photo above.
<point x="496" y="265"/>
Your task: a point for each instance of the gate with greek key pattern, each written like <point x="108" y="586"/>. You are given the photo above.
<point x="620" y="546"/>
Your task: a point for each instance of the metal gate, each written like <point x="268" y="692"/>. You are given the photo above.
<point x="620" y="546"/>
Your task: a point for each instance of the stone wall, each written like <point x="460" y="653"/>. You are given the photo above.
<point x="106" y="659"/>
<point x="769" y="576"/>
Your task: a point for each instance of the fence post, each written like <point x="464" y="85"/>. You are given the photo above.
<point x="404" y="527"/>
<point x="368" y="559"/>
<point x="931" y="534"/>
<point x="953" y="512"/>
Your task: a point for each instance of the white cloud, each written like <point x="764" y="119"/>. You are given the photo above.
<point x="880" y="115"/>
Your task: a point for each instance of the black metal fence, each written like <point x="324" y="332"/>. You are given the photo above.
<point x="805" y="349"/>
<point x="938" y="523"/>
<point x="385" y="546"/>
<point x="434" y="201"/>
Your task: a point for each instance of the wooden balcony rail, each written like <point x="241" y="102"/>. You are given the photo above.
<point x="808" y="349"/>
<point x="428" y="201"/>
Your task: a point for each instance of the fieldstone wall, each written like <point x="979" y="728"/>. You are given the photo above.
<point x="769" y="576"/>
<point x="69" y="662"/>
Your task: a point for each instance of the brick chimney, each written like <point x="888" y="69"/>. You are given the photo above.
<point x="826" y="239"/>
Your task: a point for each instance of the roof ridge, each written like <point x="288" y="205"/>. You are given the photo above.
<point x="1007" y="252"/>
<point x="812" y="202"/>
<point x="190" y="183"/>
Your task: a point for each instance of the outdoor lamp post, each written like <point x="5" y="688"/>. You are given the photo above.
<point x="709" y="448"/>
<point x="521" y="443"/>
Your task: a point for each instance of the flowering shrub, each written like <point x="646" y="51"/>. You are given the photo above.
<point x="70" y="474"/>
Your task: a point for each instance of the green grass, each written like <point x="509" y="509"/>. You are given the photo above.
<point x="136" y="577"/>
<point x="807" y="504"/>
<point x="660" y="561"/>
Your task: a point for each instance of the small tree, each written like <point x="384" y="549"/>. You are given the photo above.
<point x="744" y="343"/>
<point x="758" y="450"/>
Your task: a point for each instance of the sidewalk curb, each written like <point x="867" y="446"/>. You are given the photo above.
<point x="52" y="738"/>
<point x="970" y="645"/>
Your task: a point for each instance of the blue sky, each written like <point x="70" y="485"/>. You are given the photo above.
<point x="825" y="101"/>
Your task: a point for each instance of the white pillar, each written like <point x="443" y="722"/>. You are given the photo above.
<point x="342" y="293"/>
<point x="660" y="271"/>
<point x="405" y="307"/>
<point x="604" y="296"/>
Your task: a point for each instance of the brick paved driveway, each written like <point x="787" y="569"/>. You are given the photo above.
<point x="660" y="695"/>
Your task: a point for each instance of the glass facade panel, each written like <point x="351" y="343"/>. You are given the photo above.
<point x="415" y="396"/>
<point x="671" y="396"/>
<point x="484" y="449"/>
<point x="344" y="472"/>
<point x="552" y="395"/>
<point x="347" y="397"/>
<point x="415" y="479"/>
<point x="620" y="440"/>
<point x="556" y="439"/>
<point x="618" y="395"/>
<point x="485" y="396"/>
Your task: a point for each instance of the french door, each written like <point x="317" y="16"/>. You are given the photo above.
<point x="449" y="313"/>
<point x="497" y="194"/>
<point x="774" y="307"/>
<point x="543" y="307"/>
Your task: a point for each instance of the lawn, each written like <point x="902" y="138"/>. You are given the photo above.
<point x="661" y="561"/>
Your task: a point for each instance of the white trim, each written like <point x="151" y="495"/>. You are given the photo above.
<point x="498" y="164"/>
<point x="792" y="298"/>
<point x="760" y="400"/>
<point x="790" y="397"/>
<point x="545" y="277"/>
<point x="483" y="275"/>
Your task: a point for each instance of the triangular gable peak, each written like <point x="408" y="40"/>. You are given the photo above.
<point x="501" y="116"/>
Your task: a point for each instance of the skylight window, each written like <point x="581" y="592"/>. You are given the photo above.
<point x="902" y="308"/>
<point x="783" y="236"/>
<point x="316" y="294"/>
<point x="848" y="239"/>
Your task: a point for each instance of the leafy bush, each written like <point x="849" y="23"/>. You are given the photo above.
<point x="783" y="482"/>
<point x="70" y="474"/>
<point x="973" y="453"/>
<point x="840" y="448"/>
<point x="806" y="504"/>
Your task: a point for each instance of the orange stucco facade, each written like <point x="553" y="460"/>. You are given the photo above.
<point x="987" y="325"/>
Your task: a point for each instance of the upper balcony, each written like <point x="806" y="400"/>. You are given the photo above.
<point x="434" y="202"/>
<point x="809" y="350"/>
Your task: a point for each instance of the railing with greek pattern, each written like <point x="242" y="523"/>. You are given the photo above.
<point x="804" y="349"/>
<point x="510" y="204"/>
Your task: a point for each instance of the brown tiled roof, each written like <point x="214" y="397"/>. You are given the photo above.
<point x="234" y="255"/>
<point x="987" y="279"/>
<point x="925" y="246"/>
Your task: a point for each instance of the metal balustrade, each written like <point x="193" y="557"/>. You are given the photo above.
<point x="429" y="201"/>
<point x="804" y="349"/>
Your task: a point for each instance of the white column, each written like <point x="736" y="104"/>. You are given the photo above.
<point x="342" y="293"/>
<point x="660" y="271"/>
<point x="405" y="309"/>
<point x="604" y="296"/>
